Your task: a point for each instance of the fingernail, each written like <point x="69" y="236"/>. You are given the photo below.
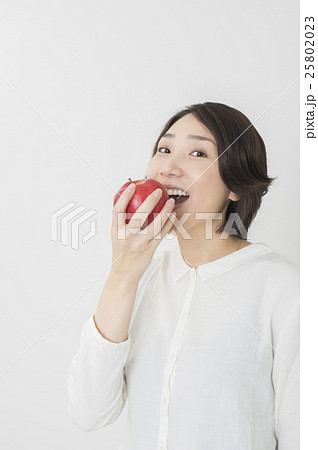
<point x="131" y="187"/>
<point x="170" y="202"/>
<point x="157" y="192"/>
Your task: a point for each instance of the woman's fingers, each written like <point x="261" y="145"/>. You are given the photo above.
<point x="167" y="228"/>
<point x="164" y="216"/>
<point x="140" y="215"/>
<point x="119" y="209"/>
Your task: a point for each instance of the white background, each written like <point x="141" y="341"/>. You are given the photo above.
<point x="86" y="87"/>
<point x="308" y="241"/>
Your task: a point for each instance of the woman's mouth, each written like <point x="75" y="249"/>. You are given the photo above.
<point x="179" y="197"/>
<point x="176" y="206"/>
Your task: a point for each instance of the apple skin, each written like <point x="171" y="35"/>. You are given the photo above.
<point x="143" y="188"/>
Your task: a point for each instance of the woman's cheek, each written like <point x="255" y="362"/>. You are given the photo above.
<point x="153" y="168"/>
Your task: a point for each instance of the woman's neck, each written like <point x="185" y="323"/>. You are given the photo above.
<point x="196" y="252"/>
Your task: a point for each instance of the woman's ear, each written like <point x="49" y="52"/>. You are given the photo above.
<point x="233" y="197"/>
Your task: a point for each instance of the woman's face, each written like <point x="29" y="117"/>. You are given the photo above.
<point x="190" y="164"/>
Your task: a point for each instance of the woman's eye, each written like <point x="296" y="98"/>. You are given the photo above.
<point x="199" y="151"/>
<point x="162" y="148"/>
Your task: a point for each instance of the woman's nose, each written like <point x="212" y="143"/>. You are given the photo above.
<point x="169" y="170"/>
<point x="171" y="167"/>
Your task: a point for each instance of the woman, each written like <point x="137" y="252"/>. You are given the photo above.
<point x="202" y="340"/>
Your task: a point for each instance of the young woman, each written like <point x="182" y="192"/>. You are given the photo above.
<point x="202" y="340"/>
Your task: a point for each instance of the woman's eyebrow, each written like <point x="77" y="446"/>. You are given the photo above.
<point x="190" y="136"/>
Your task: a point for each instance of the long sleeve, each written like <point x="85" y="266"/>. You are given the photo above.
<point x="285" y="378"/>
<point x="96" y="379"/>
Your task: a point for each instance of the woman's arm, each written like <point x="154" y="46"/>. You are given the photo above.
<point x="96" y="384"/>
<point x="115" y="307"/>
<point x="285" y="378"/>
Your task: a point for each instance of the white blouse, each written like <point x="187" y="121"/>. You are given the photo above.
<point x="211" y="359"/>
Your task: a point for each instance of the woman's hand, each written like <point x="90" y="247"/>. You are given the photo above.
<point x="132" y="247"/>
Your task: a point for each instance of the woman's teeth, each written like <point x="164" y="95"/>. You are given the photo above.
<point x="177" y="192"/>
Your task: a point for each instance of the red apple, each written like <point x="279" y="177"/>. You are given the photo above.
<point x="143" y="188"/>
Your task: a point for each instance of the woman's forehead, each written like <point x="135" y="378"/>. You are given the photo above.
<point x="189" y="128"/>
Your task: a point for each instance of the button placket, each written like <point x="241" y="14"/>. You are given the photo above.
<point x="169" y="372"/>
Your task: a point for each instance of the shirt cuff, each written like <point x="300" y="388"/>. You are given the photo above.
<point x="98" y="337"/>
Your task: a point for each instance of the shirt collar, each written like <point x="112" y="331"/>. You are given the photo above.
<point x="214" y="268"/>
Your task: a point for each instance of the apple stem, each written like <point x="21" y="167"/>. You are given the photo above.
<point x="130" y="180"/>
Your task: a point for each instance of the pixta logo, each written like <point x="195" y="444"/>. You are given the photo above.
<point x="66" y="223"/>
